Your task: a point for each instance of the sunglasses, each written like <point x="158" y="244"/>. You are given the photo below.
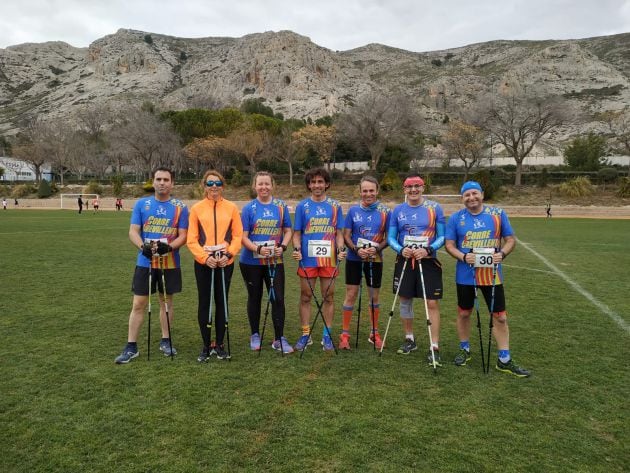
<point x="214" y="183"/>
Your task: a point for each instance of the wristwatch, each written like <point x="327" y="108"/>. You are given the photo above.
<point x="284" y="247"/>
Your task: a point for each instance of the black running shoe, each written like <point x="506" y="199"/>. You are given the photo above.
<point x="407" y="347"/>
<point x="462" y="358"/>
<point x="205" y="355"/>
<point x="512" y="368"/>
<point x="438" y="359"/>
<point x="221" y="353"/>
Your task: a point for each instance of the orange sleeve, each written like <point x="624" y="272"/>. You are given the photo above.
<point x="237" y="232"/>
<point x="192" y="240"/>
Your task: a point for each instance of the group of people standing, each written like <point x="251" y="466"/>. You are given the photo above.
<point x="478" y="236"/>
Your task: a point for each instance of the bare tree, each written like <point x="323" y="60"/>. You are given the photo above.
<point x="33" y="147"/>
<point x="619" y="125"/>
<point x="466" y="142"/>
<point x="250" y="143"/>
<point x="146" y="140"/>
<point x="212" y="152"/>
<point x="288" y="149"/>
<point x="375" y="121"/>
<point x="518" y="122"/>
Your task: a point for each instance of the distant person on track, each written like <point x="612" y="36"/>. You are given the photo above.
<point x="79" y="203"/>
<point x="4" y="204"/>
<point x="158" y="228"/>
<point x="548" y="209"/>
<point x="472" y="233"/>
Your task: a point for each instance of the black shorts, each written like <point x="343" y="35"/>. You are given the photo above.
<point x="411" y="281"/>
<point x="353" y="273"/>
<point x="140" y="283"/>
<point x="466" y="297"/>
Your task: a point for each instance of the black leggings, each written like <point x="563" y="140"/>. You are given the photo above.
<point x="203" y="274"/>
<point x="254" y="275"/>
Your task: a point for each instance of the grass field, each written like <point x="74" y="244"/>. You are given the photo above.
<point x="65" y="406"/>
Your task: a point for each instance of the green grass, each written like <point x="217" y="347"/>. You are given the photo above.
<point x="65" y="405"/>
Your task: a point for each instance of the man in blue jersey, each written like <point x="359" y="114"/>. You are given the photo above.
<point x="159" y="226"/>
<point x="317" y="245"/>
<point x="479" y="237"/>
<point x="365" y="236"/>
<point x="416" y="233"/>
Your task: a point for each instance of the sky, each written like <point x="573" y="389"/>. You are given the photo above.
<point x="414" y="25"/>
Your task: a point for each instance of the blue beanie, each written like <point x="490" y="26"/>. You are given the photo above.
<point x="470" y="185"/>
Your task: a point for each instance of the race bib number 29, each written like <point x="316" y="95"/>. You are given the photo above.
<point x="319" y="249"/>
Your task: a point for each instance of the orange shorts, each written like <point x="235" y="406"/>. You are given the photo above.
<point x="312" y="273"/>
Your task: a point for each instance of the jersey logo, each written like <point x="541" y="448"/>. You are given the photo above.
<point x="161" y="211"/>
<point x="402" y="217"/>
<point x="358" y="218"/>
<point x="267" y="213"/>
<point x="320" y="211"/>
<point x="369" y="218"/>
<point x="414" y="217"/>
<point x="478" y="224"/>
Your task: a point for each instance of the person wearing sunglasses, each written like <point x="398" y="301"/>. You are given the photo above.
<point x="214" y="237"/>
<point x="266" y="234"/>
<point x="416" y="233"/>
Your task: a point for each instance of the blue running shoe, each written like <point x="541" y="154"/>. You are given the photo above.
<point x="165" y="347"/>
<point x="127" y="355"/>
<point x="327" y="343"/>
<point x="302" y="342"/>
<point x="254" y="342"/>
<point x="286" y="346"/>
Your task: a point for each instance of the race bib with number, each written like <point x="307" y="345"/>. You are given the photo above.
<point x="483" y="257"/>
<point x="149" y="240"/>
<point x="269" y="244"/>
<point x="365" y="243"/>
<point x="319" y="249"/>
<point x="416" y="241"/>
<point x="214" y="249"/>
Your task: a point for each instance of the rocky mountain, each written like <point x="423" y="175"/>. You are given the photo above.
<point x="301" y="79"/>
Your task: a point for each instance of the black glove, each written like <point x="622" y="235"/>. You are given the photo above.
<point x="163" y="248"/>
<point x="147" y="250"/>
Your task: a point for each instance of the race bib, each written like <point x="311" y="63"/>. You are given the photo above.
<point x="416" y="241"/>
<point x="319" y="249"/>
<point x="214" y="250"/>
<point x="149" y="240"/>
<point x="365" y="243"/>
<point x="483" y="257"/>
<point x="270" y="244"/>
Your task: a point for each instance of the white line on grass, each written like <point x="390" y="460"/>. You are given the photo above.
<point x="603" y="307"/>
<point x="528" y="269"/>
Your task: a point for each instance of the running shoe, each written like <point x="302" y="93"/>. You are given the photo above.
<point x="436" y="353"/>
<point x="127" y="355"/>
<point x="375" y="339"/>
<point x="327" y="343"/>
<point x="165" y="347"/>
<point x="221" y="353"/>
<point x="303" y="342"/>
<point x="407" y="347"/>
<point x="254" y="342"/>
<point x="344" y="341"/>
<point x="512" y="368"/>
<point x="462" y="358"/>
<point x="205" y="355"/>
<point x="286" y="346"/>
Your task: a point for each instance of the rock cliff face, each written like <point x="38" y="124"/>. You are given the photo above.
<point x="300" y="79"/>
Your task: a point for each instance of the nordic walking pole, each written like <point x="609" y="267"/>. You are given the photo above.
<point x="168" y="322"/>
<point x="494" y="277"/>
<point x="209" y="324"/>
<point x="356" y="343"/>
<point x="149" y="328"/>
<point x="426" y="311"/>
<point x="483" y="358"/>
<point x="391" y="312"/>
<point x="270" y="293"/>
<point x="225" y="311"/>
<point x="371" y="291"/>
<point x="319" y="306"/>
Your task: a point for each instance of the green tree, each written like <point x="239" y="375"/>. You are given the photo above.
<point x="44" y="189"/>
<point x="586" y="153"/>
<point x="201" y="123"/>
<point x="256" y="106"/>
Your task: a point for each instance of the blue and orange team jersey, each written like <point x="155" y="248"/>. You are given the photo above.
<point x="318" y="222"/>
<point x="484" y="230"/>
<point x="417" y="221"/>
<point x="369" y="224"/>
<point x="160" y="221"/>
<point x="264" y="223"/>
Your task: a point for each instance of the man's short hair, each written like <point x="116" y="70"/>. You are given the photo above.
<point x="317" y="172"/>
<point x="163" y="169"/>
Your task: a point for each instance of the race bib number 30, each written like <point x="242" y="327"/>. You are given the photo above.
<point x="483" y="257"/>
<point x="319" y="249"/>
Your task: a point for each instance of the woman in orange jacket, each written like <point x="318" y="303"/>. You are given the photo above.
<point x="214" y="237"/>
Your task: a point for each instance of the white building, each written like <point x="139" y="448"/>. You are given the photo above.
<point x="16" y="170"/>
